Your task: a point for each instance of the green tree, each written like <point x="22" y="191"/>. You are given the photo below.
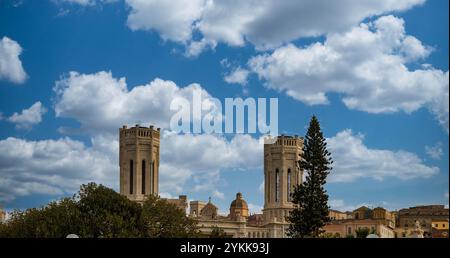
<point x="218" y="233"/>
<point x="310" y="199"/>
<point x="97" y="211"/>
<point x="163" y="219"/>
<point x="57" y="219"/>
<point x="362" y="232"/>
<point x="105" y="213"/>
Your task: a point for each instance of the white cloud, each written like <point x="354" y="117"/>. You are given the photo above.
<point x="84" y="2"/>
<point x="261" y="187"/>
<point x="435" y="152"/>
<point x="217" y="194"/>
<point x="354" y="160"/>
<point x="194" y="48"/>
<point x="254" y="208"/>
<point x="203" y="158"/>
<point x="59" y="166"/>
<point x="10" y="65"/>
<point x="51" y="167"/>
<point x="80" y="2"/>
<point x="172" y="19"/>
<point x="264" y="23"/>
<point x="341" y="205"/>
<point x="28" y="117"/>
<point x="336" y="204"/>
<point x="101" y="102"/>
<point x="366" y="65"/>
<point x="237" y="76"/>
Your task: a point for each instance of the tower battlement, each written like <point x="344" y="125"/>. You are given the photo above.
<point x="140" y="131"/>
<point x="286" y="140"/>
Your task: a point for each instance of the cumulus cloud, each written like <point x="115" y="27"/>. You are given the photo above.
<point x="264" y="23"/>
<point x="366" y="65"/>
<point x="255" y="208"/>
<point x="203" y="158"/>
<point x="435" y="152"/>
<point x="51" y="167"/>
<point x="261" y="187"/>
<point x="101" y="102"/>
<point x="10" y="65"/>
<point x="354" y="160"/>
<point x="173" y="20"/>
<point x="28" y="117"/>
<point x="217" y="194"/>
<point x="84" y="2"/>
<point x="56" y="167"/>
<point x="341" y="205"/>
<point x="237" y="76"/>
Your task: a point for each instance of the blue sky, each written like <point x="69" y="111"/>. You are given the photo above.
<point x="391" y="149"/>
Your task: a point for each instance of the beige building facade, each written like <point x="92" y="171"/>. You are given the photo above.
<point x="345" y="228"/>
<point x="424" y="215"/>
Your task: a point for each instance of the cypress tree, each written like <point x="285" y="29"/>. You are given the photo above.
<point x="310" y="198"/>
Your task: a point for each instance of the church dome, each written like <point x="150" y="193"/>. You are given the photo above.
<point x="210" y="210"/>
<point x="238" y="207"/>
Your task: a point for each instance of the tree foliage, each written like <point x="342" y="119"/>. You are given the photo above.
<point x="362" y="232"/>
<point x="310" y="198"/>
<point x="97" y="211"/>
<point x="218" y="233"/>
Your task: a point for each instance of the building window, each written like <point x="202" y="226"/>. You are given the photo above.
<point x="143" y="176"/>
<point x="277" y="185"/>
<point x="349" y="230"/>
<point x="151" y="175"/>
<point x="131" y="176"/>
<point x="289" y="187"/>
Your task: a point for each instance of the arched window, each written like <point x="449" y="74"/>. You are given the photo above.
<point x="151" y="176"/>
<point x="289" y="187"/>
<point x="131" y="176"/>
<point x="143" y="176"/>
<point x="277" y="185"/>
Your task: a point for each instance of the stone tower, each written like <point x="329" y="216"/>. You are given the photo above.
<point x="281" y="174"/>
<point x="139" y="162"/>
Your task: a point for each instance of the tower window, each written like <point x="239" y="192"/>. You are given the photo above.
<point x="289" y="187"/>
<point x="277" y="185"/>
<point x="143" y="176"/>
<point x="151" y="175"/>
<point x="131" y="176"/>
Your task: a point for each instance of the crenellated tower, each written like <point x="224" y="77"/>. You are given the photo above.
<point x="281" y="175"/>
<point x="139" y="161"/>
